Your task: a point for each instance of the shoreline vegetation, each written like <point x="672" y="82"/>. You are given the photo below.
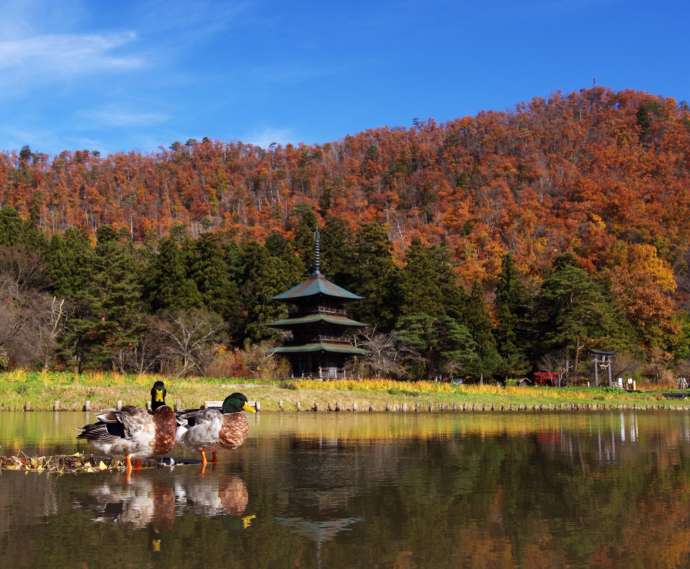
<point x="65" y="391"/>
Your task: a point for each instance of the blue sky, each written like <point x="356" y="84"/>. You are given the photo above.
<point x="119" y="75"/>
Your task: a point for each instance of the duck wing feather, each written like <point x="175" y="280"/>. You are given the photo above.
<point x="199" y="428"/>
<point x="192" y="417"/>
<point x="125" y="424"/>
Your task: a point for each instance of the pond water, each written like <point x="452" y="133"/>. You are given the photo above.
<point x="341" y="491"/>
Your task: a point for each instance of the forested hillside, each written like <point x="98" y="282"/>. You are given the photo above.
<point x="485" y="205"/>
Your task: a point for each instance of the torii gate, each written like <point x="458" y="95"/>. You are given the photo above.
<point x="603" y="360"/>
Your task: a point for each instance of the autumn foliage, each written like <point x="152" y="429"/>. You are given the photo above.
<point x="582" y="171"/>
<point x="604" y="175"/>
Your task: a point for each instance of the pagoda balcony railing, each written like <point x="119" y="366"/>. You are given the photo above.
<point x="329" y="310"/>
<point x="322" y="338"/>
<point x="331" y="373"/>
<point x="333" y="339"/>
<point x="327" y="373"/>
<point x="316" y="310"/>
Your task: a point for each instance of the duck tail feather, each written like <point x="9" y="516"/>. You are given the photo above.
<point x="101" y="431"/>
<point x="93" y="431"/>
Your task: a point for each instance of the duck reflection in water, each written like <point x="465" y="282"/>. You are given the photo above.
<point x="137" y="503"/>
<point x="153" y="501"/>
<point x="215" y="495"/>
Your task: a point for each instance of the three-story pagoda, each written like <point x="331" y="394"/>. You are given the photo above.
<point x="321" y="332"/>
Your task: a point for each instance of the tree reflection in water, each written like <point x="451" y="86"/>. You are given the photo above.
<point x="600" y="491"/>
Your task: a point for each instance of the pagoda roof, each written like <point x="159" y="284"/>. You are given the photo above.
<point x="313" y="318"/>
<point x="319" y="347"/>
<point x="316" y="284"/>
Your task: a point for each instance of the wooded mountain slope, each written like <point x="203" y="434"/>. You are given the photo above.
<point x="595" y="172"/>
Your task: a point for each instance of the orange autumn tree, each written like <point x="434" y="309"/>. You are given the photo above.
<point x="644" y="283"/>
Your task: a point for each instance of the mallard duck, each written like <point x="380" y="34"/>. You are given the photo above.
<point x="133" y="432"/>
<point x="226" y="427"/>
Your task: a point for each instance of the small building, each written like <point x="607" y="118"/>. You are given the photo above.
<point x="321" y="332"/>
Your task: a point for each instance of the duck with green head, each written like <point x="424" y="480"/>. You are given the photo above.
<point x="226" y="426"/>
<point x="134" y="432"/>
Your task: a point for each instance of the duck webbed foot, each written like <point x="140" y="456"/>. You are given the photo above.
<point x="128" y="469"/>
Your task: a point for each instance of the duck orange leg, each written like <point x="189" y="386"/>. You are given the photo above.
<point x="214" y="458"/>
<point x="128" y="464"/>
<point x="204" y="462"/>
<point x="137" y="464"/>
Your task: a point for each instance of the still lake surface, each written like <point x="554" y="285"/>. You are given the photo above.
<point x="609" y="490"/>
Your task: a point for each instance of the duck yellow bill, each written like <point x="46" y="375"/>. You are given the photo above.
<point x="248" y="408"/>
<point x="159" y="395"/>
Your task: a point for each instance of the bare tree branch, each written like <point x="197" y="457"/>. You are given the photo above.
<point x="187" y="338"/>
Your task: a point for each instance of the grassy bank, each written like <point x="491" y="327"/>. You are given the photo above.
<point x="103" y="390"/>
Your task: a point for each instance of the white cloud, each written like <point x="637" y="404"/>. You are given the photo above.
<point x="266" y="136"/>
<point x="116" y="116"/>
<point x="68" y="54"/>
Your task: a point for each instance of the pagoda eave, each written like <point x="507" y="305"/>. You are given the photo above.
<point x="314" y="286"/>
<point x="319" y="347"/>
<point x="315" y="318"/>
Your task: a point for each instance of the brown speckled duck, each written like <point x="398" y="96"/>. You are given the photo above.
<point x="133" y="432"/>
<point x="225" y="427"/>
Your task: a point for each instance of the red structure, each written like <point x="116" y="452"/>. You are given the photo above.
<point x="549" y="378"/>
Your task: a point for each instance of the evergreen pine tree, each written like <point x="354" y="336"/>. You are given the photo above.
<point x="512" y="313"/>
<point x="80" y="345"/>
<point x="477" y="321"/>
<point x="293" y="268"/>
<point x="71" y="268"/>
<point x="439" y="345"/>
<point x="458" y="350"/>
<point x="70" y="263"/>
<point x="576" y="311"/>
<point x="87" y="332"/>
<point x="210" y="273"/>
<point x="427" y="283"/>
<point x="337" y="252"/>
<point x="262" y="277"/>
<point x="11" y="226"/>
<point x="376" y="278"/>
<point x="120" y="301"/>
<point x="232" y="255"/>
<point x="167" y="286"/>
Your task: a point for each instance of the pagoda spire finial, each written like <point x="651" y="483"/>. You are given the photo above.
<point x="317" y="252"/>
